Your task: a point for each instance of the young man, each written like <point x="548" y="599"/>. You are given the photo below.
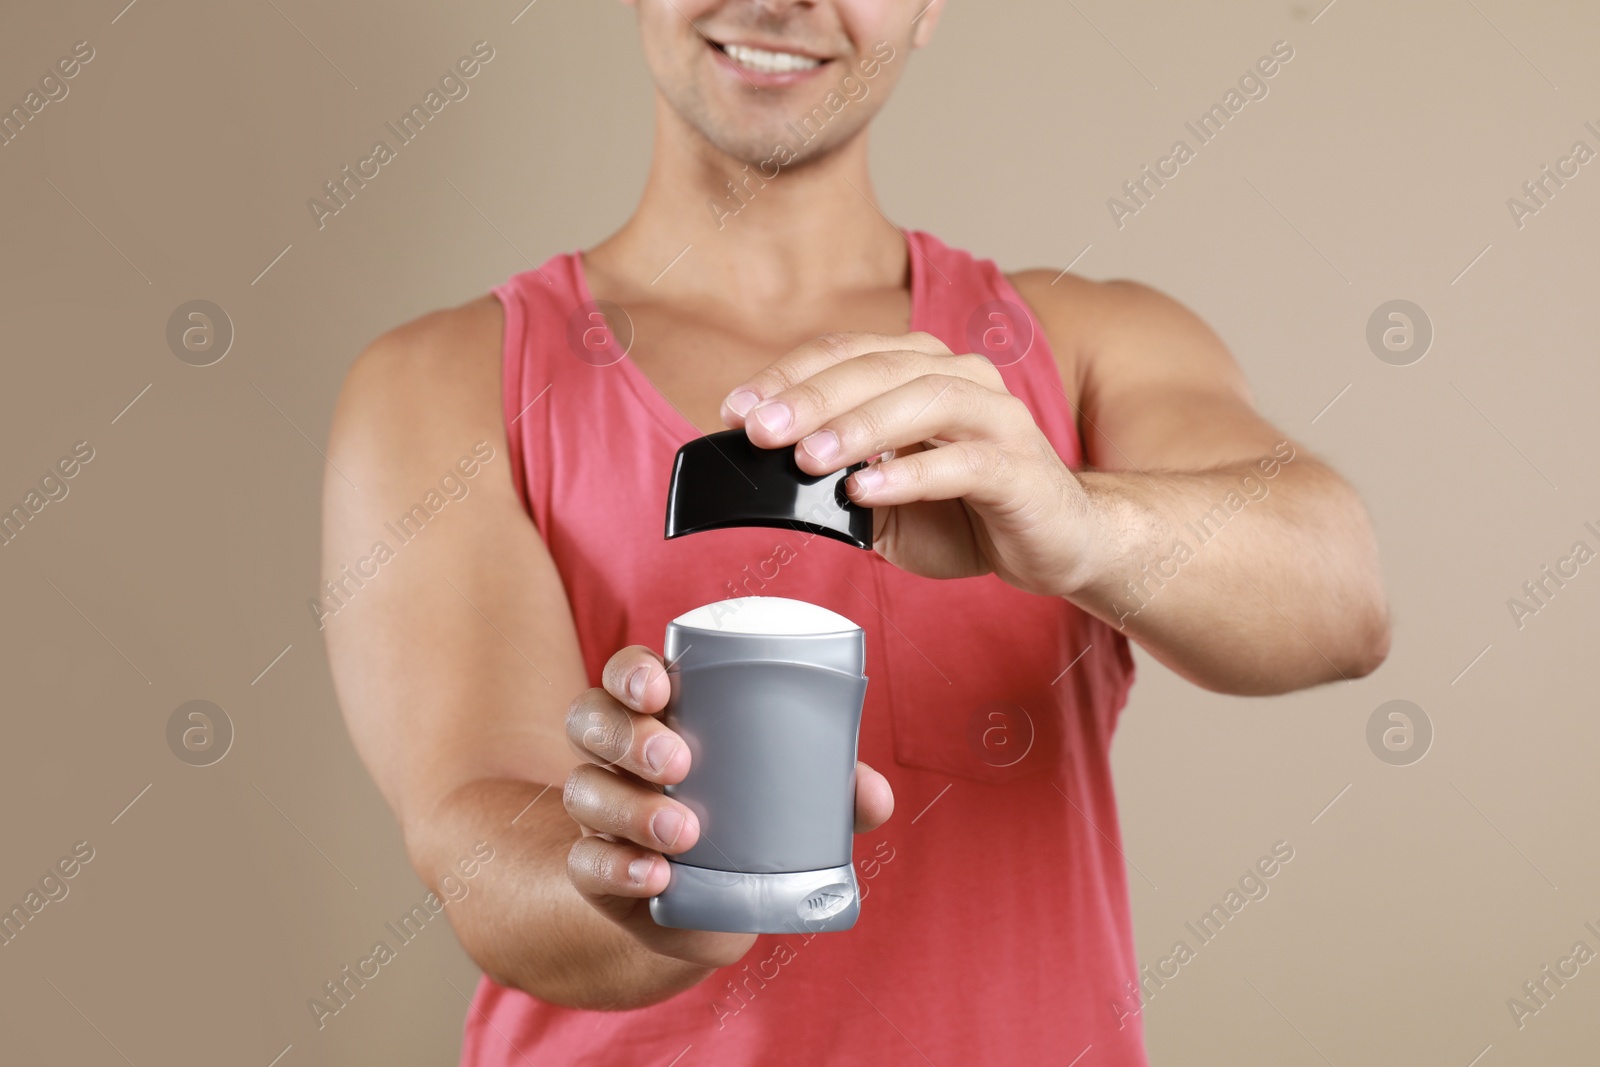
<point x="1065" y="465"/>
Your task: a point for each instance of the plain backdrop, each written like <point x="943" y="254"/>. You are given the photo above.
<point x="1421" y="896"/>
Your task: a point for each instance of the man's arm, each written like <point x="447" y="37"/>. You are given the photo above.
<point x="456" y="658"/>
<point x="1244" y="563"/>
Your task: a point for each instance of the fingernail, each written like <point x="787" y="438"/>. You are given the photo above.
<point x="869" y="478"/>
<point x="658" y="751"/>
<point x="636" y="684"/>
<point x="740" y="401"/>
<point x="667" y="825"/>
<point x="774" y="415"/>
<point x="823" y="445"/>
<point x="639" y="870"/>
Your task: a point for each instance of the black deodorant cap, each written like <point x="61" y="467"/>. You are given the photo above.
<point x="724" y="480"/>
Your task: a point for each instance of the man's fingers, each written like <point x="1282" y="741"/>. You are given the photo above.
<point x="621" y="855"/>
<point x="874" y="799"/>
<point x="600" y="868"/>
<point x="602" y="731"/>
<point x="977" y="472"/>
<point x="637" y="677"/>
<point x="607" y="803"/>
<point x="812" y="357"/>
<point x="928" y="384"/>
<point x="948" y="407"/>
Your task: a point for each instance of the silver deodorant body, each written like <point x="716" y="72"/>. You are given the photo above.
<point x="767" y="693"/>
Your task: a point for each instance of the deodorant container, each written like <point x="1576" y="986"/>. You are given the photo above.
<point x="767" y="693"/>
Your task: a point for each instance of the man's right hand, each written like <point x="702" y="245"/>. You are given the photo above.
<point x="455" y="667"/>
<point x="629" y="825"/>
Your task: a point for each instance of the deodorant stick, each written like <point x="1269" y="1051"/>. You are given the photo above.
<point x="767" y="694"/>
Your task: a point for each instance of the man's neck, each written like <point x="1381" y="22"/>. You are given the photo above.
<point x="811" y="231"/>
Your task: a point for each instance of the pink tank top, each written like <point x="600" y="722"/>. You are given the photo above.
<point x="995" y="921"/>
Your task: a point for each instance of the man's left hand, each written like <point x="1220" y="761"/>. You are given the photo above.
<point x="967" y="483"/>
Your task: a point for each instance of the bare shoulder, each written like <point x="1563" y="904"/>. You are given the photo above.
<point x="1100" y="305"/>
<point x="1121" y="330"/>
<point x="423" y="385"/>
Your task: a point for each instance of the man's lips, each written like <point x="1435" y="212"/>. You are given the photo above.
<point x="767" y="64"/>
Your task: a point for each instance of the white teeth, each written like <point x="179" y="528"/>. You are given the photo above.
<point x="765" y="62"/>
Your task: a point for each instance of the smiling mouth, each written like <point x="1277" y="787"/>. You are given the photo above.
<point x="764" y="61"/>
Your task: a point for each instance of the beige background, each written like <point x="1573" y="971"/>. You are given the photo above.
<point x="179" y="565"/>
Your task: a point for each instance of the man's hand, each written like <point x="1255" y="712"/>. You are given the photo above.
<point x="628" y="824"/>
<point x="972" y="486"/>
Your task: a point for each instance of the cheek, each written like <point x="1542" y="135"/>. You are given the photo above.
<point x="670" y="27"/>
<point x="870" y="21"/>
<point x="873" y="23"/>
<point x="661" y="34"/>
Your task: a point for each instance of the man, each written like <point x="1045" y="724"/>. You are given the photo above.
<point x="1062" y="465"/>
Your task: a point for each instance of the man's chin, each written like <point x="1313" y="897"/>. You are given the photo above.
<point x="775" y="148"/>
